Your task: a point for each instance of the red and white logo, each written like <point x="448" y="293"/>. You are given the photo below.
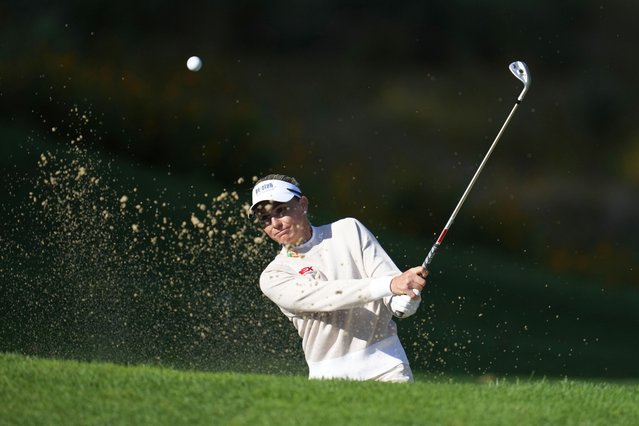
<point x="306" y="270"/>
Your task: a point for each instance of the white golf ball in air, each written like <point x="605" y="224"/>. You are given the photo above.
<point x="194" y="63"/>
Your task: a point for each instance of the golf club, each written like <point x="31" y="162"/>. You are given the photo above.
<point x="520" y="70"/>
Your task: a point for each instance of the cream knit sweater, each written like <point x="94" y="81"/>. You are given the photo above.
<point x="335" y="288"/>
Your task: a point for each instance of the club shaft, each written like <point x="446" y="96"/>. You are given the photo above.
<point x="433" y="250"/>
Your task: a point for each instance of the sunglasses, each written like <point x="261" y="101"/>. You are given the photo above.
<point x="279" y="211"/>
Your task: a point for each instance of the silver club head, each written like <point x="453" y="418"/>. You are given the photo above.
<point x="520" y="70"/>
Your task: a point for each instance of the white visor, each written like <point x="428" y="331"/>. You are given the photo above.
<point x="274" y="190"/>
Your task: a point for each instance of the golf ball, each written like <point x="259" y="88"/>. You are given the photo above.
<point x="194" y="63"/>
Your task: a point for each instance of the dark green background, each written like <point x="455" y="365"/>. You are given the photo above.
<point x="382" y="110"/>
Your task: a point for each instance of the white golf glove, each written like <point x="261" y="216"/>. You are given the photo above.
<point x="403" y="306"/>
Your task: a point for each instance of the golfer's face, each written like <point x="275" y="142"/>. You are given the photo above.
<point x="285" y="223"/>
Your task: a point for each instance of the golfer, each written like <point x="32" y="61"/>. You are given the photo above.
<point x="338" y="287"/>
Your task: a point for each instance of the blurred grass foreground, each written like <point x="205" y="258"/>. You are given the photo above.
<point x="47" y="391"/>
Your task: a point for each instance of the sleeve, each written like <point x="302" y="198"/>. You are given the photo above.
<point x="377" y="262"/>
<point x="298" y="293"/>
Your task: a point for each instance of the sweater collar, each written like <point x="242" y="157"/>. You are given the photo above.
<point x="296" y="251"/>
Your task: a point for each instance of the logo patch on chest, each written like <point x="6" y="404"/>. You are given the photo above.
<point x="306" y="270"/>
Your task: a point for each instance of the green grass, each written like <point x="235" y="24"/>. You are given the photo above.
<point x="38" y="391"/>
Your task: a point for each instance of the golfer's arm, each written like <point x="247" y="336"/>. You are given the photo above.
<point x="311" y="295"/>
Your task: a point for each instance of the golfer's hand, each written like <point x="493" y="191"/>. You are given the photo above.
<point x="403" y="306"/>
<point x="411" y="280"/>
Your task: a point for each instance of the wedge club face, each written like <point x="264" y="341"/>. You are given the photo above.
<point x="520" y="70"/>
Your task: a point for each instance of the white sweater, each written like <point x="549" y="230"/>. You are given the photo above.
<point x="335" y="288"/>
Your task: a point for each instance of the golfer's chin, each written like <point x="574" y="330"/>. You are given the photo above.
<point x="286" y="241"/>
<point x="288" y="238"/>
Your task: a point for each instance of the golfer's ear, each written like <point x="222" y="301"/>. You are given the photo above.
<point x="304" y="203"/>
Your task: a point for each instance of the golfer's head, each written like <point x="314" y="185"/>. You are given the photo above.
<point x="280" y="208"/>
